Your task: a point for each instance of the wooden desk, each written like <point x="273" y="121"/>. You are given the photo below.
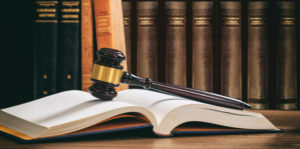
<point x="288" y="120"/>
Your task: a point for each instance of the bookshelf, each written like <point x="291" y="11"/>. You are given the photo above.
<point x="18" y="45"/>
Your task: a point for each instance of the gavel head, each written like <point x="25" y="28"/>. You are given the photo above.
<point x="106" y="73"/>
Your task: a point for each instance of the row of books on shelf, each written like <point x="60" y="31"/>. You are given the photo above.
<point x="241" y="49"/>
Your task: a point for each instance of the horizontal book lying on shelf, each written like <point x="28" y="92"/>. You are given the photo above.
<point x="77" y="113"/>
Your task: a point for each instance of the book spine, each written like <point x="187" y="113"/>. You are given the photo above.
<point x="127" y="27"/>
<point x="69" y="46"/>
<point x="87" y="43"/>
<point x="109" y="28"/>
<point x="231" y="49"/>
<point x="286" y="66"/>
<point x="175" y="46"/>
<point x="257" y="55"/>
<point x="103" y="24"/>
<point x="147" y="53"/>
<point x="202" y="45"/>
<point x="298" y="53"/>
<point x="46" y="25"/>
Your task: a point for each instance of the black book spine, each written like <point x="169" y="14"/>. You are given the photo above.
<point x="69" y="61"/>
<point x="45" y="41"/>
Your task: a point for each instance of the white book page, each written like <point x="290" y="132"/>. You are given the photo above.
<point x="62" y="108"/>
<point x="160" y="104"/>
<point x="170" y="111"/>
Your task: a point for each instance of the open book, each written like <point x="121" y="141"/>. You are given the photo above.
<point x="75" y="113"/>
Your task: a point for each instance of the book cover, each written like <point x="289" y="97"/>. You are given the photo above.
<point x="175" y="43"/>
<point x="202" y="45"/>
<point x="87" y="43"/>
<point x="45" y="45"/>
<point x="258" y="60"/>
<point x="69" y="46"/>
<point x="147" y="43"/>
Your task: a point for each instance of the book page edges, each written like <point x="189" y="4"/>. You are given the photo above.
<point x="15" y="133"/>
<point x="105" y="126"/>
<point x="20" y="125"/>
<point x="236" y="119"/>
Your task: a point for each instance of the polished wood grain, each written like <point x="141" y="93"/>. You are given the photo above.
<point x="288" y="120"/>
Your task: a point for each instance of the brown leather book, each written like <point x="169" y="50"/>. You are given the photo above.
<point x="109" y="27"/>
<point x="175" y="42"/>
<point x="87" y="43"/>
<point x="231" y="49"/>
<point x="286" y="66"/>
<point x="127" y="27"/>
<point x="202" y="44"/>
<point x="257" y="86"/>
<point x="147" y="49"/>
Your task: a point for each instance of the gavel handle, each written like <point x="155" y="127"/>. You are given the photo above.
<point x="194" y="94"/>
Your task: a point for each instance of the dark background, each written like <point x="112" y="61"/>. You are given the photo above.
<point x="16" y="52"/>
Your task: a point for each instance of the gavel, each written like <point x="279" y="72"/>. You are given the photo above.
<point x="107" y="74"/>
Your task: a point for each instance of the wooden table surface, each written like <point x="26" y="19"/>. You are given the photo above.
<point x="288" y="120"/>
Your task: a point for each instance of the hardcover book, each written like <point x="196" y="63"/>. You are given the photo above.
<point x="147" y="43"/>
<point x="45" y="44"/>
<point x="202" y="65"/>
<point x="77" y="113"/>
<point x="286" y="59"/>
<point x="231" y="49"/>
<point x="175" y="43"/>
<point x="258" y="55"/>
<point x="87" y="43"/>
<point x="69" y="51"/>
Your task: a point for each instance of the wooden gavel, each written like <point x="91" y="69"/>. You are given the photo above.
<point x="107" y="74"/>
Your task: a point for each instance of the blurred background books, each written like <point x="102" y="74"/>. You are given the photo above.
<point x="243" y="49"/>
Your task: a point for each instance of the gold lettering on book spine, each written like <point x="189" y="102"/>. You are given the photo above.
<point x="106" y="74"/>
<point x="46" y="3"/>
<point x="69" y="21"/>
<point x="287" y="21"/>
<point x="202" y="21"/>
<point x="176" y="21"/>
<point x="231" y="21"/>
<point x="103" y="25"/>
<point x="45" y="10"/>
<point x="70" y="10"/>
<point x="46" y="21"/>
<point x="126" y="21"/>
<point x="70" y="4"/>
<point x="70" y="16"/>
<point x="47" y="15"/>
<point x="257" y="21"/>
<point x="146" y="21"/>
